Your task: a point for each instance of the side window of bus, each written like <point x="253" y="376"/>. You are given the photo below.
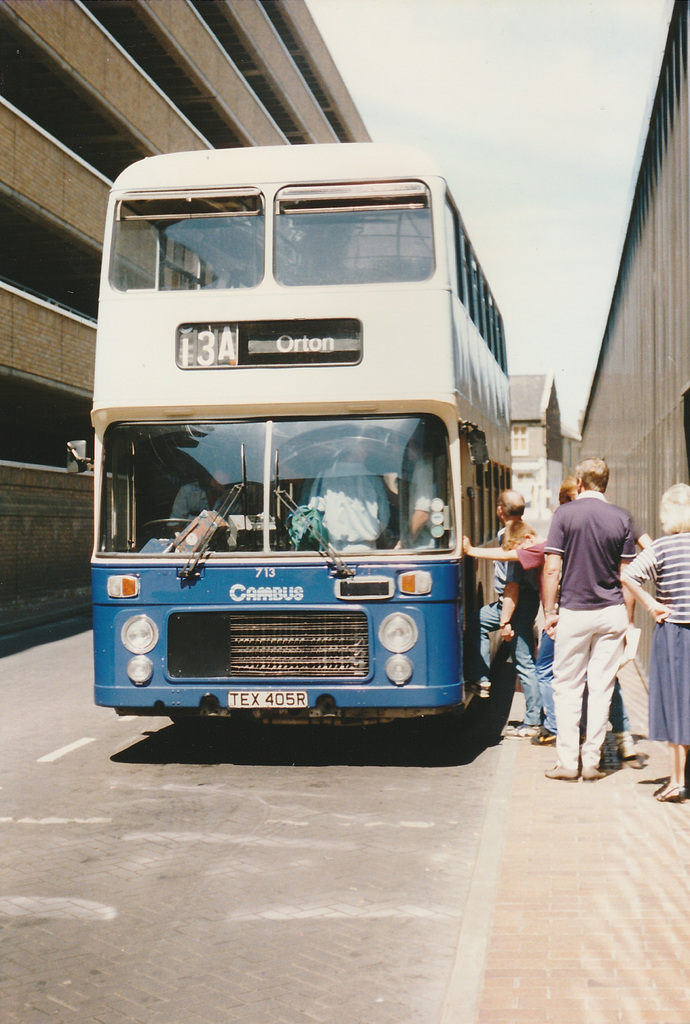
<point x="452" y="246"/>
<point x="479" y="506"/>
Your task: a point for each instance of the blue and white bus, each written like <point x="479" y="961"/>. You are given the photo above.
<point x="300" y="404"/>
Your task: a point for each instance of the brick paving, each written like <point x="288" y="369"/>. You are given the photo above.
<point x="591" y="919"/>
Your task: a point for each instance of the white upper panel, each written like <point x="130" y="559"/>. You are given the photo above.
<point x="258" y="165"/>
<point x="419" y="348"/>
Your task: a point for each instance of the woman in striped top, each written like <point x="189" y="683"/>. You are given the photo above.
<point x="667" y="563"/>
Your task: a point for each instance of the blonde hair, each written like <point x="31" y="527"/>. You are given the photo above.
<point x="674" y="509"/>
<point x="516" y="533"/>
<point x="594" y="474"/>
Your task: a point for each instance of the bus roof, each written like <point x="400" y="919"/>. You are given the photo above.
<point x="256" y="164"/>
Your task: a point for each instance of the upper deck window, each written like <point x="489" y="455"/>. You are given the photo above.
<point x="188" y="241"/>
<point x="353" y="234"/>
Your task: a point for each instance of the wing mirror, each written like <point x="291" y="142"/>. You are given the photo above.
<point x="476" y="443"/>
<point x="77" y="460"/>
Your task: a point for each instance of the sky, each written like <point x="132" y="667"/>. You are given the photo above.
<point x="536" y="111"/>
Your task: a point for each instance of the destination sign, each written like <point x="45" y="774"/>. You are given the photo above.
<point x="224" y="346"/>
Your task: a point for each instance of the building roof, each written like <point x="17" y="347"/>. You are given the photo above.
<point x="529" y="396"/>
<point x="570" y="432"/>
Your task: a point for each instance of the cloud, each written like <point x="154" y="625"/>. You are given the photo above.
<point x="552" y="76"/>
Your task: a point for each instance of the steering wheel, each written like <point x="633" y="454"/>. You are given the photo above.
<point x="169" y="527"/>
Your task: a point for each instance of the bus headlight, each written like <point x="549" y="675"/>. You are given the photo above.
<point x="398" y="632"/>
<point x="140" y="669"/>
<point x="139" y="634"/>
<point x="399" y="669"/>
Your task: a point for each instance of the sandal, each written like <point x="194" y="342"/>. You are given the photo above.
<point x="674" y="795"/>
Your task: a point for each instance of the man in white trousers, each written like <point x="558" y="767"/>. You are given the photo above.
<point x="589" y="540"/>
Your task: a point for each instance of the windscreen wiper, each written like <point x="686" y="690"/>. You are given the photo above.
<point x="312" y="526"/>
<point x="195" y="539"/>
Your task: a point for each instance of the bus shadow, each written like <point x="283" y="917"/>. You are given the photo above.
<point x="434" y="742"/>
<point x="46" y="633"/>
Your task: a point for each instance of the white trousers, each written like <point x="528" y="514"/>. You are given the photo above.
<point x="589" y="647"/>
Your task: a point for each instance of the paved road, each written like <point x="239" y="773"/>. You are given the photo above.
<point x="243" y="875"/>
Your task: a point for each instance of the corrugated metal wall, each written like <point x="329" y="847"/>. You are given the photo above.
<point x="635" y="414"/>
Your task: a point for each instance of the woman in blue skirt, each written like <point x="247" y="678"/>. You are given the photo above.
<point x="667" y="563"/>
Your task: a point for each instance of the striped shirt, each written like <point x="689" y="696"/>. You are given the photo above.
<point x="667" y="563"/>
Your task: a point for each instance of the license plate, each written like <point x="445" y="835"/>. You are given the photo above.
<point x="268" y="699"/>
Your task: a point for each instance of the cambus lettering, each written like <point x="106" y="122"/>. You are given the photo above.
<point x="238" y="592"/>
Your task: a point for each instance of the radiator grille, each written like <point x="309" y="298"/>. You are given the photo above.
<point x="232" y="645"/>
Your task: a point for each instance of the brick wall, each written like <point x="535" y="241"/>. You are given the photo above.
<point x="44" y="341"/>
<point x="47" y="538"/>
<point x="51" y="179"/>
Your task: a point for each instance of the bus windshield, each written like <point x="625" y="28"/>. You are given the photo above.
<point x="187" y="242"/>
<point x="353" y="234"/>
<point x="343" y="484"/>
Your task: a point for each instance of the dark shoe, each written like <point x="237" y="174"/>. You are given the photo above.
<point x="677" y="795"/>
<point x="563" y="774"/>
<point x="625" y="745"/>
<point x="592" y="774"/>
<point x="544" y="738"/>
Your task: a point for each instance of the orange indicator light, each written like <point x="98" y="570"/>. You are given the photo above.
<point x="123" y="586"/>
<point x="418" y="582"/>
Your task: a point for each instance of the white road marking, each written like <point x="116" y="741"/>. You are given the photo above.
<point x="346" y="912"/>
<point x="55" y="821"/>
<point x="51" y="906"/>
<point x="68" y="749"/>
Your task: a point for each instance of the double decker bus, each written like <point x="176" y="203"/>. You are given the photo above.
<point x="300" y="404"/>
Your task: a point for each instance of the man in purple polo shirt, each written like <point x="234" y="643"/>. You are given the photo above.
<point x="588" y="541"/>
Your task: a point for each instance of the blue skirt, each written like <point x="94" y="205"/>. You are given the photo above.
<point x="669" y="684"/>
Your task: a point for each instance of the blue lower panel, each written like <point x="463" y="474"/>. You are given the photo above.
<point x="383" y="698"/>
<point x="204" y="648"/>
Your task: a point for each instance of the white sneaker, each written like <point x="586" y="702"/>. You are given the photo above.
<point x="522" y="731"/>
<point x="481" y="688"/>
